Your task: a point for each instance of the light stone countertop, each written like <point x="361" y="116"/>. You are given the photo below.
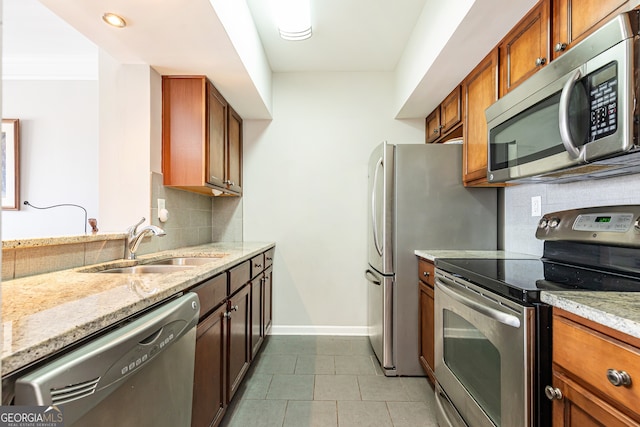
<point x="617" y="310"/>
<point x="33" y="242"/>
<point x="437" y="253"/>
<point x="44" y="313"/>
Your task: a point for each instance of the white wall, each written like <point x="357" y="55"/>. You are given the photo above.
<point x="520" y="226"/>
<point x="58" y="154"/>
<point x="127" y="124"/>
<point x="305" y="179"/>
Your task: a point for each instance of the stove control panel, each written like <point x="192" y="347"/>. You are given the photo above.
<point x="615" y="222"/>
<point x="616" y="225"/>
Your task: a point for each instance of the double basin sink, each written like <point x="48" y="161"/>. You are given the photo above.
<point x="167" y="265"/>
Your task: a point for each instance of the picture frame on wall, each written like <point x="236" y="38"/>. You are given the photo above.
<point x="10" y="164"/>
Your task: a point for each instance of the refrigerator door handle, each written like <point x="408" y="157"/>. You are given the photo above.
<point x="376" y="241"/>
<point x="371" y="277"/>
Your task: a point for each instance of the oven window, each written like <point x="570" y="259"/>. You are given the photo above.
<point x="474" y="360"/>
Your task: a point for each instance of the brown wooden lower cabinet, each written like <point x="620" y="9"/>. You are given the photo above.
<point x="267" y="285"/>
<point x="583" y="393"/>
<point x="239" y="329"/>
<point x="235" y="318"/>
<point x="209" y="385"/>
<point x="426" y="270"/>
<point x="257" y="290"/>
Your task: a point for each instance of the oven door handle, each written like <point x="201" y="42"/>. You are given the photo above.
<point x="500" y="316"/>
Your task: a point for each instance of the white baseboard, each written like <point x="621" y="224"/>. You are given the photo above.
<point x="319" y="330"/>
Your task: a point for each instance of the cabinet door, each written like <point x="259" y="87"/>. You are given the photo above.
<point x="216" y="136"/>
<point x="234" y="152"/>
<point x="451" y="111"/>
<point x="574" y="20"/>
<point x="267" y="303"/>
<point x="432" y="126"/>
<point x="183" y="130"/>
<point x="427" y="357"/>
<point x="256" y="315"/>
<point x="209" y="381"/>
<point x="239" y="339"/>
<point x="579" y="408"/>
<point x="480" y="90"/>
<point x="526" y="48"/>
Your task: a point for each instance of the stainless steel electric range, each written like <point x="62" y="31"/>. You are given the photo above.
<point x="492" y="331"/>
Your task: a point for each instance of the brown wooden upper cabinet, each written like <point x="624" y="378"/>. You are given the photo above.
<point x="573" y="20"/>
<point x="445" y="121"/>
<point x="480" y="90"/>
<point x="526" y="48"/>
<point x="201" y="137"/>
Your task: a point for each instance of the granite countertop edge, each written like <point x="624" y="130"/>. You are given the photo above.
<point x="87" y="301"/>
<point x="432" y="254"/>
<point x="617" y="310"/>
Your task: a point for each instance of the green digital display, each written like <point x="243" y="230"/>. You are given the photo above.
<point x="603" y="219"/>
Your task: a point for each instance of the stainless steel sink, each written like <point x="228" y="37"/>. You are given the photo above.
<point x="148" y="269"/>
<point x="185" y="261"/>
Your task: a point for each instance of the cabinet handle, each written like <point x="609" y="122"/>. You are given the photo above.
<point x="234" y="308"/>
<point x="269" y="259"/>
<point x="618" y="378"/>
<point x="435" y="130"/>
<point x="426" y="274"/>
<point x="257" y="265"/>
<point x="266" y="277"/>
<point x="540" y="61"/>
<point x="552" y="393"/>
<point x="227" y="315"/>
<point x="560" y="47"/>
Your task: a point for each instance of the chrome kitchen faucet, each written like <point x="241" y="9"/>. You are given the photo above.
<point x="134" y="237"/>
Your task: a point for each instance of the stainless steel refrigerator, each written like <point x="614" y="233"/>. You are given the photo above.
<point x="416" y="201"/>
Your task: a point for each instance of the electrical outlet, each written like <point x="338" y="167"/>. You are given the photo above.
<point x="161" y="204"/>
<point x="536" y="206"/>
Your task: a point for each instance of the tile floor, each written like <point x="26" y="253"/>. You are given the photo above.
<point x="325" y="381"/>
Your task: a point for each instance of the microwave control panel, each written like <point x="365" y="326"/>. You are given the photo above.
<point x="603" y="101"/>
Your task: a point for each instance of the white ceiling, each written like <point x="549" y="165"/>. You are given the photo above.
<point x="190" y="37"/>
<point x="348" y="35"/>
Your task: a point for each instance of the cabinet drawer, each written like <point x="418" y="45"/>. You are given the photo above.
<point x="257" y="265"/>
<point x="211" y="293"/>
<point x="588" y="354"/>
<point x="238" y="276"/>
<point x="426" y="271"/>
<point x="268" y="257"/>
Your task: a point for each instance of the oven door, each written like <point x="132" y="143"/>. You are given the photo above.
<point x="483" y="356"/>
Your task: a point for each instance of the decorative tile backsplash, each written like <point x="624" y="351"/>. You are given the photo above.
<point x="194" y="219"/>
<point x="520" y="226"/>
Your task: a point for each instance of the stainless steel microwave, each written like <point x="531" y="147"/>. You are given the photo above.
<point x="574" y="119"/>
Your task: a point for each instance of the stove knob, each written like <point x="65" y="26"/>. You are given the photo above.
<point x="636" y="225"/>
<point x="554" y="222"/>
<point x="543" y="223"/>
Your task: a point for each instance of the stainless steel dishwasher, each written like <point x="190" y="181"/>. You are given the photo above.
<point x="140" y="374"/>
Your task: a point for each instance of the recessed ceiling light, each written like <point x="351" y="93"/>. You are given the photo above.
<point x="114" y="20"/>
<point x="293" y="18"/>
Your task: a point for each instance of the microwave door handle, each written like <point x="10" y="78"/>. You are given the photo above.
<point x="374" y="223"/>
<point x="563" y="119"/>
<point x="497" y="315"/>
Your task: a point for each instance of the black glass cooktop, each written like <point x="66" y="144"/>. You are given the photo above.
<point x="523" y="279"/>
